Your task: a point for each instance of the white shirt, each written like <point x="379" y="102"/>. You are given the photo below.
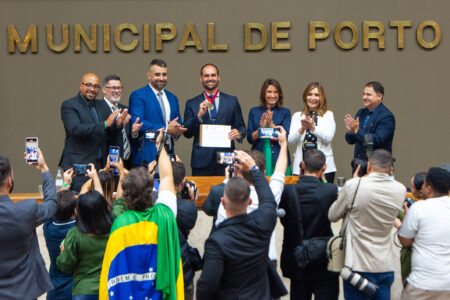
<point x="276" y="184"/>
<point x="169" y="199"/>
<point x="428" y="223"/>
<point x="165" y="100"/>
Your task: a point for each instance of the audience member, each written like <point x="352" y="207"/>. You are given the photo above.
<point x="83" y="248"/>
<point x="427" y="229"/>
<point x="313" y="128"/>
<point x="314" y="199"/>
<point x="235" y="258"/>
<point x="378" y="199"/>
<point x="211" y="107"/>
<point x="22" y="270"/>
<point x="55" y="231"/>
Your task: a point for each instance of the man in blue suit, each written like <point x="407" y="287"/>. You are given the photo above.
<point x="211" y="107"/>
<point x="373" y="126"/>
<point x="157" y="108"/>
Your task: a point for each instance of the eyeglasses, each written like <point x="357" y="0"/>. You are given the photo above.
<point x="114" y="88"/>
<point x="91" y="86"/>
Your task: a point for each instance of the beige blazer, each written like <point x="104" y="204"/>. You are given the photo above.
<point x="369" y="231"/>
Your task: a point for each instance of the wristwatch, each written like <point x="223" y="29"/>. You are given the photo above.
<point x="254" y="168"/>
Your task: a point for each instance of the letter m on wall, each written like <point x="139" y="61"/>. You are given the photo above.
<point x="30" y="38"/>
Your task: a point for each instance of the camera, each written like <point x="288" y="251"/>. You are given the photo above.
<point x="152" y="135"/>
<point x="409" y="202"/>
<point x="359" y="282"/>
<point x="189" y="185"/>
<point x="268" y="133"/>
<point x="362" y="166"/>
<point x="81" y="169"/>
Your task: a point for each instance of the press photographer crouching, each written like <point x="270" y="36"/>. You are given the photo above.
<point x="370" y="205"/>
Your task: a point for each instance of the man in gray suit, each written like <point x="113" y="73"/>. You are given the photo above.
<point x="22" y="270"/>
<point x="369" y="231"/>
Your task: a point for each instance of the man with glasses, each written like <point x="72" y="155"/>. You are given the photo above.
<point x="87" y="128"/>
<point x="126" y="133"/>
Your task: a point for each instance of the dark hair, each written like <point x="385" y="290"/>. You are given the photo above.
<point x="137" y="189"/>
<point x="322" y="98"/>
<point x="237" y="190"/>
<point x="382" y="159"/>
<point x="94" y="214"/>
<point x="314" y="160"/>
<point x="438" y="179"/>
<point x="108" y="184"/>
<point x="158" y="62"/>
<point x="66" y="205"/>
<point x="265" y="86"/>
<point x="179" y="172"/>
<point x="260" y="161"/>
<point x="110" y="77"/>
<point x="5" y="169"/>
<point x="377" y="87"/>
<point x="208" y="64"/>
<point x="418" y="180"/>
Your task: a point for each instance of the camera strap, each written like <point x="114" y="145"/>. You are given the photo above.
<point x="347" y="214"/>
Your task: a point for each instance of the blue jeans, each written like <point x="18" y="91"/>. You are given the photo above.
<point x="384" y="281"/>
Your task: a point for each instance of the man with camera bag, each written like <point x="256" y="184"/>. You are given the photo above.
<point x="369" y="249"/>
<point x="313" y="198"/>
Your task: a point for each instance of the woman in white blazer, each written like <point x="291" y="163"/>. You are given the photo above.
<point x="322" y="131"/>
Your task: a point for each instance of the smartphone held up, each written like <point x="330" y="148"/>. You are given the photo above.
<point x="31" y="150"/>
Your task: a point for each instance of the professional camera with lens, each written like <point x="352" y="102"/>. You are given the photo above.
<point x="359" y="282"/>
<point x="189" y="186"/>
<point x="362" y="166"/>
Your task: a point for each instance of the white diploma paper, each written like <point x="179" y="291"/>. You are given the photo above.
<point x="215" y="136"/>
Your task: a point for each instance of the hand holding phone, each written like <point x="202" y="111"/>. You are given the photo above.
<point x="31" y="150"/>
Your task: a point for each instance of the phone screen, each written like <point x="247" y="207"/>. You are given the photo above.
<point x="81" y="169"/>
<point x="114" y="157"/>
<point x="31" y="149"/>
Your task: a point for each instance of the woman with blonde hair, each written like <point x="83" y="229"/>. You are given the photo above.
<point x="313" y="128"/>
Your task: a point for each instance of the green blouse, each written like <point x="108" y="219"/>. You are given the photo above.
<point x="83" y="257"/>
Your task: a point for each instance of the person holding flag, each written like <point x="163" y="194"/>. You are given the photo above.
<point x="142" y="258"/>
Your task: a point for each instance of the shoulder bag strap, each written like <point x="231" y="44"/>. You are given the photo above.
<point x="347" y="214"/>
<point x="292" y="194"/>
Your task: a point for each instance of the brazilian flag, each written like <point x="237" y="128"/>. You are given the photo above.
<point x="142" y="258"/>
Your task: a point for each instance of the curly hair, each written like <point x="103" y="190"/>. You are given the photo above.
<point x="137" y="189"/>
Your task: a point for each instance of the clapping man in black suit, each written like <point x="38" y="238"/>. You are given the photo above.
<point x="235" y="259"/>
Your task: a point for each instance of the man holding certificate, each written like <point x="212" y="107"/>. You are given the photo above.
<point x="215" y="121"/>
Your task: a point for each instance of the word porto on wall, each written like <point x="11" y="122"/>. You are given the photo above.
<point x="128" y="37"/>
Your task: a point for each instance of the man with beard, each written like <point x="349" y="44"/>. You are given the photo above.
<point x="157" y="108"/>
<point x="87" y="127"/>
<point x="212" y="107"/>
<point x="112" y="92"/>
<point x="22" y="270"/>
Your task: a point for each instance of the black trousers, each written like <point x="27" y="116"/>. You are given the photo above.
<point x="213" y="169"/>
<point x="327" y="289"/>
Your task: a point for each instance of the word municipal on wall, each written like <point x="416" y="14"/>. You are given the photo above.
<point x="127" y="37"/>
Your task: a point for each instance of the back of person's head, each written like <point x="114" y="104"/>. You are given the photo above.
<point x="237" y="191"/>
<point x="94" y="214"/>
<point x="5" y="169"/>
<point x="67" y="203"/>
<point x="258" y="157"/>
<point x="137" y="189"/>
<point x="313" y="161"/>
<point x="108" y="184"/>
<point x="179" y="172"/>
<point x="439" y="180"/>
<point x="381" y="161"/>
<point x="418" y="180"/>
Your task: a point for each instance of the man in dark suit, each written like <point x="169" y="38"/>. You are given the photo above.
<point x="235" y="259"/>
<point x="211" y="107"/>
<point x="157" y="108"/>
<point x="87" y="128"/>
<point x="314" y="199"/>
<point x="126" y="136"/>
<point x="22" y="270"/>
<point x="373" y="126"/>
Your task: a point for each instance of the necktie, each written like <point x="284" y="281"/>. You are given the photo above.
<point x="163" y="108"/>
<point x="94" y="114"/>
<point x="126" y="143"/>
